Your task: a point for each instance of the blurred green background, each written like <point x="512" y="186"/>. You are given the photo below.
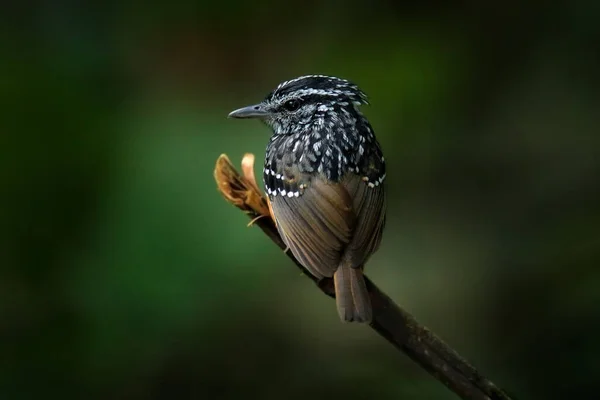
<point x="125" y="275"/>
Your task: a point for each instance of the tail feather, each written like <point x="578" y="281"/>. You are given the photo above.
<point x="351" y="295"/>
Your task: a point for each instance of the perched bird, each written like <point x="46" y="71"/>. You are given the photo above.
<point x="324" y="174"/>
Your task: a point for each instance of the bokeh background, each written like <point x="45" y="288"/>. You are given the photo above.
<point x="125" y="275"/>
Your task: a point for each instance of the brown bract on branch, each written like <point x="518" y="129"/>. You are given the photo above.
<point x="389" y="320"/>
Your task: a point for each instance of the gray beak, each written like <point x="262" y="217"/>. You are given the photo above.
<point x="255" y="111"/>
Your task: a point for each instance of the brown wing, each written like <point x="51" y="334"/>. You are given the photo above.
<point x="316" y="225"/>
<point x="369" y="205"/>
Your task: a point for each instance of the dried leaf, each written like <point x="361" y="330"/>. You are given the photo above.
<point x="240" y="190"/>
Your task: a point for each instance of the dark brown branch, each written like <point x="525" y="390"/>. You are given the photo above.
<point x="389" y="320"/>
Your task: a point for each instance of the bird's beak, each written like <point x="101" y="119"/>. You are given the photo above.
<point x="255" y="111"/>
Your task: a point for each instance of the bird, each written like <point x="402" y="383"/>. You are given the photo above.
<point x="324" y="175"/>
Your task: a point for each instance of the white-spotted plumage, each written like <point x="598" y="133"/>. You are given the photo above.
<point x="326" y="135"/>
<point x="324" y="172"/>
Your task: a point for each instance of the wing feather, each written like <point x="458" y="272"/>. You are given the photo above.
<point x="332" y="222"/>
<point x="317" y="225"/>
<point x="369" y="205"/>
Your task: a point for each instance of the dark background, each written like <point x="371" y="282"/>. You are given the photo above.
<point x="126" y="276"/>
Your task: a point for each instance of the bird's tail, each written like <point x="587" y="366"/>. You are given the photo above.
<point x="351" y="295"/>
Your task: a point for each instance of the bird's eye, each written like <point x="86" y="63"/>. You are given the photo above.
<point x="291" y="105"/>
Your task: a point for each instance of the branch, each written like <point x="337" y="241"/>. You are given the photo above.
<point x="389" y="320"/>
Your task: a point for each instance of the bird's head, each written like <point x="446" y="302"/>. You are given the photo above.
<point x="307" y="103"/>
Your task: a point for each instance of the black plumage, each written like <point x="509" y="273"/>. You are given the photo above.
<point x="324" y="173"/>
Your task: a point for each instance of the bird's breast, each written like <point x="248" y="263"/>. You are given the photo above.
<point x="293" y="160"/>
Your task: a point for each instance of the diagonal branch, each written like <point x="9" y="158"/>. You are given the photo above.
<point x="389" y="320"/>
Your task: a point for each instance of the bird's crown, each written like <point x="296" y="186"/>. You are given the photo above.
<point x="317" y="87"/>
